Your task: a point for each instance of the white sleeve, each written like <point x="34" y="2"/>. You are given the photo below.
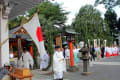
<point x="68" y="53"/>
<point x="30" y="58"/>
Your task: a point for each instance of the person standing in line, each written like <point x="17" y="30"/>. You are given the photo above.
<point x="102" y="51"/>
<point x="27" y="59"/>
<point x="110" y="50"/>
<point x="58" y="64"/>
<point x="119" y="49"/>
<point x="114" y="51"/>
<point x="67" y="57"/>
<point x="98" y="52"/>
<point x="44" y="60"/>
<point x="92" y="50"/>
<point x="75" y="52"/>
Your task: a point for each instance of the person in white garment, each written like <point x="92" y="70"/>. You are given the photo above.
<point x="98" y="52"/>
<point x="44" y="60"/>
<point x="58" y="64"/>
<point x="47" y="60"/>
<point x="75" y="53"/>
<point x="110" y="50"/>
<point x="67" y="57"/>
<point x="27" y="59"/>
<point x="117" y="50"/>
<point x="11" y="57"/>
<point x="114" y="51"/>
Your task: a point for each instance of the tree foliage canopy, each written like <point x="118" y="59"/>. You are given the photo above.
<point x="118" y="24"/>
<point x="108" y="3"/>
<point x="89" y="24"/>
<point x="111" y="20"/>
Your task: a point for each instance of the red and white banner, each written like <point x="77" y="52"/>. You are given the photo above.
<point x="105" y="43"/>
<point x="34" y="30"/>
<point x="95" y="43"/>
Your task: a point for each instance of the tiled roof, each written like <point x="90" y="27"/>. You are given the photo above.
<point x="20" y="6"/>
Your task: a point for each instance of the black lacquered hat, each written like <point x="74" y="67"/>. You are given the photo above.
<point x="57" y="47"/>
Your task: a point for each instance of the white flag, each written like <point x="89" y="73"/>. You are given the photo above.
<point x="34" y="30"/>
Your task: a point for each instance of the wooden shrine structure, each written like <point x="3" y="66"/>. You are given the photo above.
<point x="19" y="40"/>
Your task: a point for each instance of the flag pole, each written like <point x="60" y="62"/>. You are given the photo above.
<point x="17" y="29"/>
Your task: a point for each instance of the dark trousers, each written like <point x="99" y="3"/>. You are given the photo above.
<point x="93" y="56"/>
<point x="102" y="54"/>
<point x="59" y="79"/>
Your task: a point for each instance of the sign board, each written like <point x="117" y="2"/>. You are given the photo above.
<point x="59" y="41"/>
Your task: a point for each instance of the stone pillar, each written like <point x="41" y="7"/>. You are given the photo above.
<point x="4" y="49"/>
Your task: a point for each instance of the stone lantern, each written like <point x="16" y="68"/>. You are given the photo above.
<point x="70" y="37"/>
<point x="85" y="57"/>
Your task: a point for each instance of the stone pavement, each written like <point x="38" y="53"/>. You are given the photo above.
<point x="105" y="69"/>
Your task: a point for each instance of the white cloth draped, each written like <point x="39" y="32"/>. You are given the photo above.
<point x="44" y="60"/>
<point x="109" y="49"/>
<point x="67" y="54"/>
<point x="27" y="60"/>
<point x="114" y="50"/>
<point x="59" y="65"/>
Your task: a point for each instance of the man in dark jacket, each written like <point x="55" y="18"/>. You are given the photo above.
<point x="92" y="50"/>
<point x="102" y="50"/>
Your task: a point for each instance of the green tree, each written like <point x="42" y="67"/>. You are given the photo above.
<point x="107" y="33"/>
<point x="50" y="10"/>
<point x="88" y="23"/>
<point x="52" y="18"/>
<point x="111" y="20"/>
<point x="15" y="22"/>
<point x="108" y="3"/>
<point x="118" y="24"/>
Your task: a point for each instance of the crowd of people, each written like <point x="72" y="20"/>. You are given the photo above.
<point x="61" y="58"/>
<point x="98" y="52"/>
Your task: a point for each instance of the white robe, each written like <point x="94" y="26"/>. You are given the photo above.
<point x="109" y="49"/>
<point x="47" y="60"/>
<point x="58" y="65"/>
<point x="117" y="50"/>
<point x="67" y="54"/>
<point x="44" y="60"/>
<point x="27" y="60"/>
<point x="114" y="50"/>
<point x="106" y="49"/>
